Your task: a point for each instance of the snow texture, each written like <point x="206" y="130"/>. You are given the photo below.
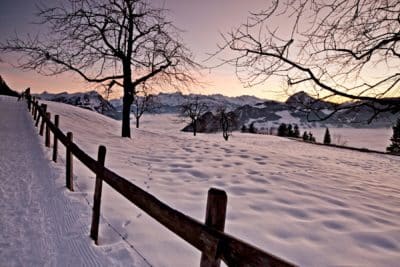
<point x="311" y="205"/>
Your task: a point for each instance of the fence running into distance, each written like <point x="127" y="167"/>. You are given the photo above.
<point x="208" y="237"/>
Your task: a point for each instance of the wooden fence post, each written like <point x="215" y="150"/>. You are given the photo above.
<point x="215" y="218"/>
<point x="94" y="230"/>
<point x="69" y="163"/>
<point x="36" y="110"/>
<point x="33" y="105"/>
<point x="42" y="123"/>
<point x="47" y="133"/>
<point x="55" y="141"/>
<point x="38" y="115"/>
<point x="29" y="100"/>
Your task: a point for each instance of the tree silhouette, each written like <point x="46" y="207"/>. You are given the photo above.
<point x="112" y="42"/>
<point x="327" y="137"/>
<point x="143" y="102"/>
<point x="194" y="109"/>
<point x="343" y="50"/>
<point x="395" y="145"/>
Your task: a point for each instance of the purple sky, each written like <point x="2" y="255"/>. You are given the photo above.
<point x="201" y="21"/>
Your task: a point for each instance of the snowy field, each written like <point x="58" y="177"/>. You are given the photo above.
<point x="311" y="205"/>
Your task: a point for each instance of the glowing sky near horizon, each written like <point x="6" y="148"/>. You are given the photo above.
<point x="201" y="21"/>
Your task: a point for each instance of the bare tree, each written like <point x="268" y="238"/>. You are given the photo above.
<point x="228" y="122"/>
<point x="112" y="42"/>
<point x="344" y="50"/>
<point x="143" y="102"/>
<point x="194" y="109"/>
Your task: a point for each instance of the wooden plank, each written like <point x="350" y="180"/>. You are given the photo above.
<point x="94" y="230"/>
<point x="55" y="140"/>
<point x="215" y="218"/>
<point x="69" y="163"/>
<point x="211" y="242"/>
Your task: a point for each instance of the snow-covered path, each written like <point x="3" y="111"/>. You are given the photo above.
<point x="40" y="225"/>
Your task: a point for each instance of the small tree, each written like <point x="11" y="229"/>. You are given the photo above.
<point x="194" y="109"/>
<point x="305" y="136"/>
<point x="228" y="121"/>
<point x="311" y="138"/>
<point x="296" y="132"/>
<point x="244" y="129"/>
<point x="290" y="131"/>
<point x="282" y="130"/>
<point x="395" y="145"/>
<point x="143" y="102"/>
<point x="252" y="128"/>
<point x="327" y="137"/>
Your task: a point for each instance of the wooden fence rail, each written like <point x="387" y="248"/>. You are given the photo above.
<point x="209" y="238"/>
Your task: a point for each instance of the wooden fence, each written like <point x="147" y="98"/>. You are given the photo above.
<point x="208" y="237"/>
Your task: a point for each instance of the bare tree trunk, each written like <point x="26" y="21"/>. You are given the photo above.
<point x="126" y="112"/>
<point x="194" y="127"/>
<point x="127" y="100"/>
<point x="137" y="122"/>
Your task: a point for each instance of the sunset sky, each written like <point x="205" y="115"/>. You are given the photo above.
<point x="201" y="21"/>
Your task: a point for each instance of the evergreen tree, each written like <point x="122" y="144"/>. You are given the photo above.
<point x="290" y="131"/>
<point x="327" y="137"/>
<point x="252" y="128"/>
<point x="305" y="136"/>
<point x="282" y="130"/>
<point x="244" y="129"/>
<point x="296" y="132"/>
<point x="395" y="145"/>
<point x="311" y="138"/>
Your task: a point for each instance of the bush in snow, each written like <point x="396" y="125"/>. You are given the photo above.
<point x="395" y="145"/>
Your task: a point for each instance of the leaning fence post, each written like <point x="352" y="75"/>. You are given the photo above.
<point x="43" y="120"/>
<point x="47" y="133"/>
<point x="69" y="163"/>
<point x="94" y="230"/>
<point x="55" y="141"/>
<point x="215" y="218"/>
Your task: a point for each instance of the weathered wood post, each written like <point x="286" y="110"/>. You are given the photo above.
<point x="38" y="116"/>
<point x="36" y="109"/>
<point x="33" y="105"/>
<point x="94" y="230"/>
<point x="55" y="140"/>
<point x="29" y="100"/>
<point x="47" y="133"/>
<point x="69" y="163"/>
<point x="215" y="218"/>
<point x="43" y="120"/>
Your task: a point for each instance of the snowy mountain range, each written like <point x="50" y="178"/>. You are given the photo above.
<point x="299" y="108"/>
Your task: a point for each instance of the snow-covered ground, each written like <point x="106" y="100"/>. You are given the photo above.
<point x="375" y="139"/>
<point x="41" y="224"/>
<point x="312" y="205"/>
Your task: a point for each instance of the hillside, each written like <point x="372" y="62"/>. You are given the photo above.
<point x="295" y="200"/>
<point x="5" y="89"/>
